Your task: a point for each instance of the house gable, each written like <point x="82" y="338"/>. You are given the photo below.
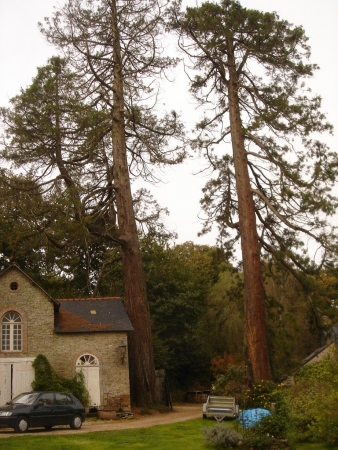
<point x="20" y="294"/>
<point x="11" y="281"/>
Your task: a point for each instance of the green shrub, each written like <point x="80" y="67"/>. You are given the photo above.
<point x="233" y="382"/>
<point x="313" y="402"/>
<point x="313" y="411"/>
<point x="270" y="430"/>
<point x="46" y="379"/>
<point x="275" y="425"/>
<point x="261" y="395"/>
<point x="325" y="370"/>
<point x="268" y="433"/>
<point x="221" y="435"/>
<point x="255" y="441"/>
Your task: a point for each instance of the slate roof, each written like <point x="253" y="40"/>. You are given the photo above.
<point x="80" y="315"/>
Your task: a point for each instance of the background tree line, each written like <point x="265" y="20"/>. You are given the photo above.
<point x="195" y="298"/>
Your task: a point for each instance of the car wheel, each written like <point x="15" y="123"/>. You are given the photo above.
<point x="76" y="422"/>
<point x="21" y="425"/>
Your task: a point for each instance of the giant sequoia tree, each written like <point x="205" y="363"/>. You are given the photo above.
<point x="274" y="188"/>
<point x="115" y="48"/>
<point x="116" y="53"/>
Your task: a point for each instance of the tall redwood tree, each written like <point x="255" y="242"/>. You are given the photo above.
<point x="116" y="47"/>
<point x="274" y="187"/>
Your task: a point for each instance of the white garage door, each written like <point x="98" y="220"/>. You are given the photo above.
<point x="16" y="376"/>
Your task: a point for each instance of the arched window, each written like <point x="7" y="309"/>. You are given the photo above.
<point x="11" y="332"/>
<point x="87" y="360"/>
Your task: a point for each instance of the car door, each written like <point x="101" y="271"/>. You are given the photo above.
<point x="43" y="411"/>
<point x="64" y="408"/>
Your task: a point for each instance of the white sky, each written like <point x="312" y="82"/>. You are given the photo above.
<point x="23" y="49"/>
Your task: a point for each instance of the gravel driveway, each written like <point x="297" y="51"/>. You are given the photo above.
<point x="178" y="414"/>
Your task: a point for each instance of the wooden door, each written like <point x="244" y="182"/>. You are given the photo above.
<point x="16" y="376"/>
<point x="89" y="366"/>
<point x="5" y="383"/>
<point x="23" y="376"/>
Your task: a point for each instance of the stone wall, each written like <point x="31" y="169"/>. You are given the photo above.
<point x="114" y="373"/>
<point x="35" y="308"/>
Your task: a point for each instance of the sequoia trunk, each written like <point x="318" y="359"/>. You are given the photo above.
<point x="254" y="306"/>
<point x="142" y="370"/>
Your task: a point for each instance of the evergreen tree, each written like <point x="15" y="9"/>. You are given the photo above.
<point x="274" y="189"/>
<point x="62" y="140"/>
<point x="116" y="48"/>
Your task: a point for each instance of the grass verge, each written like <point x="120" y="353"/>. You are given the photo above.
<point x="178" y="436"/>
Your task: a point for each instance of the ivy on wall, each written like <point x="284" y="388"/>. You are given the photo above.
<point x="46" y="379"/>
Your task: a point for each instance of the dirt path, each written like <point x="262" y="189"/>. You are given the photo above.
<point x="178" y="414"/>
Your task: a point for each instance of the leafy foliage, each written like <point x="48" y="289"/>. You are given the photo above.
<point x="312" y="402"/>
<point x="233" y="382"/>
<point x="178" y="281"/>
<point x="224" y="318"/>
<point x="46" y="379"/>
<point x="266" y="394"/>
<point x="221" y="364"/>
<point x="261" y="395"/>
<point x="275" y="425"/>
<point x="271" y="430"/>
<point x="255" y="440"/>
<point x="293" y="315"/>
<point x="230" y="375"/>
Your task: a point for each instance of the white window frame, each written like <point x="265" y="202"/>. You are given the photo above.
<point x="11" y="332"/>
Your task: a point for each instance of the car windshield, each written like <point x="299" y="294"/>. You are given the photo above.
<point x="25" y="399"/>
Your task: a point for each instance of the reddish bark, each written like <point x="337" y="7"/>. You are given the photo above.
<point x="254" y="305"/>
<point x="142" y="369"/>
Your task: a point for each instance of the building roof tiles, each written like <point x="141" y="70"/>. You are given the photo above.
<point x="91" y="314"/>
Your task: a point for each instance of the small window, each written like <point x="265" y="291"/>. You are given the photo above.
<point x="14" y="286"/>
<point x="11" y="332"/>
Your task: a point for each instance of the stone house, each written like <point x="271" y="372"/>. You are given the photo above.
<point x="87" y="334"/>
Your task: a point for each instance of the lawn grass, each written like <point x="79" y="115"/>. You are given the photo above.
<point x="179" y="436"/>
<point x="182" y="435"/>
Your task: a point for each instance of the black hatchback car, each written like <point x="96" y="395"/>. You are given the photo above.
<point x="42" y="409"/>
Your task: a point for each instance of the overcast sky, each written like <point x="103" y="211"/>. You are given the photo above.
<point x="23" y="49"/>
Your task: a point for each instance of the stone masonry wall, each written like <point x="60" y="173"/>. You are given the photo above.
<point x="35" y="308"/>
<point x="114" y="374"/>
